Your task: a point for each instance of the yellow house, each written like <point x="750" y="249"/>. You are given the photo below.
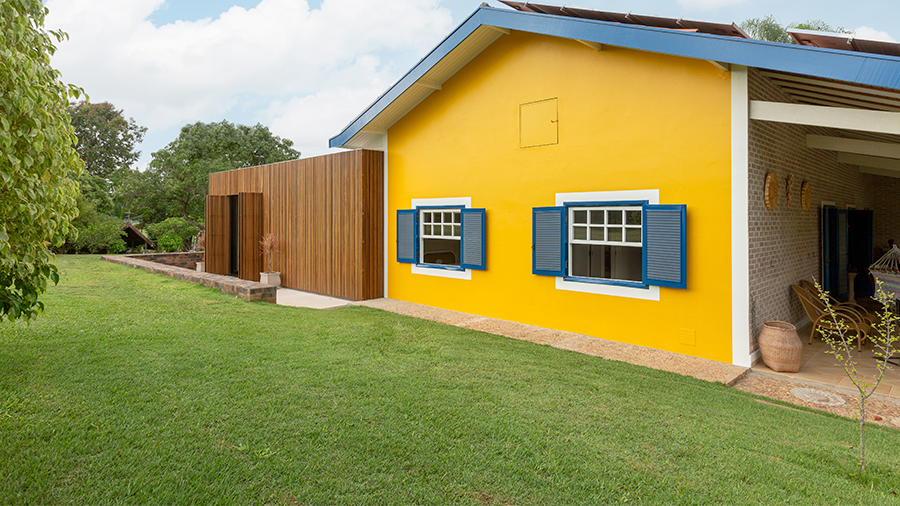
<point x="581" y="171"/>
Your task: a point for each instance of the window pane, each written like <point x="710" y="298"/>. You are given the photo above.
<point x="448" y="230"/>
<point x="596" y="217"/>
<point x="597" y="233"/>
<point x="456" y="218"/>
<point x="632" y="217"/>
<point x="440" y="251"/>
<point x="426" y="217"/>
<point x="580" y="233"/>
<point x="614" y="233"/>
<point x="448" y="217"/>
<point x="427" y="229"/>
<point x="581" y="260"/>
<point x="457" y="231"/>
<point x="614" y="216"/>
<point x="632" y="235"/>
<point x="580" y="217"/>
<point x="437" y="217"/>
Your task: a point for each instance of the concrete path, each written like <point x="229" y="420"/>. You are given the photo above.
<point x="296" y="298"/>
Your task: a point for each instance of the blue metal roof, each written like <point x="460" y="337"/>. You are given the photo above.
<point x="862" y="68"/>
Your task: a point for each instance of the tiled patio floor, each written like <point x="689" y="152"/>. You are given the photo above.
<point x="821" y="368"/>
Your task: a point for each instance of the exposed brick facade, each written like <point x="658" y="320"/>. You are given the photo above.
<point x="785" y="242"/>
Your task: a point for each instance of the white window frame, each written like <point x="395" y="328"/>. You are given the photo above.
<point x="453" y="273"/>
<point x="651" y="197"/>
<point x="605" y="209"/>
<point x="456" y="228"/>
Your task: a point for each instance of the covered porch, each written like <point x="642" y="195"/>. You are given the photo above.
<point x="833" y="149"/>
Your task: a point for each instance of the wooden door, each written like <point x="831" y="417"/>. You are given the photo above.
<point x="250" y="231"/>
<point x="218" y="235"/>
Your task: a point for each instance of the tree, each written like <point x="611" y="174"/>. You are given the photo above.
<point x="840" y="343"/>
<point x="37" y="161"/>
<point x="177" y="180"/>
<point x="768" y="28"/>
<point x="106" y="140"/>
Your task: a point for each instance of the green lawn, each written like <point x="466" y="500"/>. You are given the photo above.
<point x="135" y="388"/>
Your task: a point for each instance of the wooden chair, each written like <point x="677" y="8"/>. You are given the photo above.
<point x="822" y="319"/>
<point x="866" y="316"/>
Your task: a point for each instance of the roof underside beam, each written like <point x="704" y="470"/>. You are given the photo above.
<point x="833" y="117"/>
<point x="857" y="146"/>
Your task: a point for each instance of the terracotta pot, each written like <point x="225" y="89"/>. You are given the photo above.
<point x="780" y="346"/>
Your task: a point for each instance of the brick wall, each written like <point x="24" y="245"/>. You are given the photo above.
<point x="784" y="242"/>
<point x="887" y="210"/>
<point x="186" y="260"/>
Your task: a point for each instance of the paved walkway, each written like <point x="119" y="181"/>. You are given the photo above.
<point x="880" y="409"/>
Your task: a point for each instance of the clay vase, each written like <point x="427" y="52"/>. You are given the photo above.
<point x="780" y="346"/>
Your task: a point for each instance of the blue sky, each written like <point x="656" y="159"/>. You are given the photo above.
<point x="306" y="68"/>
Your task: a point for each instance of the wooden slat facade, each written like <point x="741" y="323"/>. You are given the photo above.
<point x="328" y="215"/>
<point x="250" y="210"/>
<point x="218" y="224"/>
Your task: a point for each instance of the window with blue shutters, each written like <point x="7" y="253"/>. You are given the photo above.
<point x="623" y="243"/>
<point x="451" y="238"/>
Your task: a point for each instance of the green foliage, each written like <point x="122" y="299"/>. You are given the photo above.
<point x="169" y="242"/>
<point x="768" y="28"/>
<point x="106" y="140"/>
<point x="179" y="228"/>
<point x="177" y="181"/>
<point x="840" y="340"/>
<point x="95" y="190"/>
<point x="102" y="234"/>
<point x="37" y="162"/>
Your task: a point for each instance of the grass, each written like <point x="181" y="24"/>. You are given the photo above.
<point x="135" y="388"/>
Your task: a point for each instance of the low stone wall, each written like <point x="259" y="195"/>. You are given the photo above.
<point x="247" y="290"/>
<point x="187" y="260"/>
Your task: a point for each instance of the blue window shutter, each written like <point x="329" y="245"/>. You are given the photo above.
<point x="549" y="241"/>
<point x="473" y="239"/>
<point x="406" y="236"/>
<point x="665" y="245"/>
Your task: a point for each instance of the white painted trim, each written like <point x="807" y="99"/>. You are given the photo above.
<point x="860" y="147"/>
<point x="652" y="197"/>
<point x="434" y="271"/>
<point x="880" y="172"/>
<point x="834" y="117"/>
<point x="387" y="216"/>
<point x="374" y="130"/>
<point x="740" y="217"/>
<point x="876" y="162"/>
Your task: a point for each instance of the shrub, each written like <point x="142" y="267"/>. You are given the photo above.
<point x="180" y="227"/>
<point x="103" y="233"/>
<point x="169" y="242"/>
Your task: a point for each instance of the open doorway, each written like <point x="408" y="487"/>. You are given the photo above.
<point x="848" y="241"/>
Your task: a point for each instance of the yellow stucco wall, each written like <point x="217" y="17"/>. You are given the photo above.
<point x="628" y="120"/>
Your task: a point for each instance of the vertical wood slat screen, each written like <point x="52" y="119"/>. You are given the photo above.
<point x="328" y="215"/>
<point x="251" y="225"/>
<point x="218" y="226"/>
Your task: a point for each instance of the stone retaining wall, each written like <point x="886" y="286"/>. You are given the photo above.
<point x="247" y="290"/>
<point x="186" y="260"/>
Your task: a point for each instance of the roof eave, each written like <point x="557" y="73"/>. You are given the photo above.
<point x="870" y="69"/>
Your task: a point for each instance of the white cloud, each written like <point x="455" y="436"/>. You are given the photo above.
<point x="864" y="32"/>
<point x="279" y="52"/>
<point x="708" y="4"/>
